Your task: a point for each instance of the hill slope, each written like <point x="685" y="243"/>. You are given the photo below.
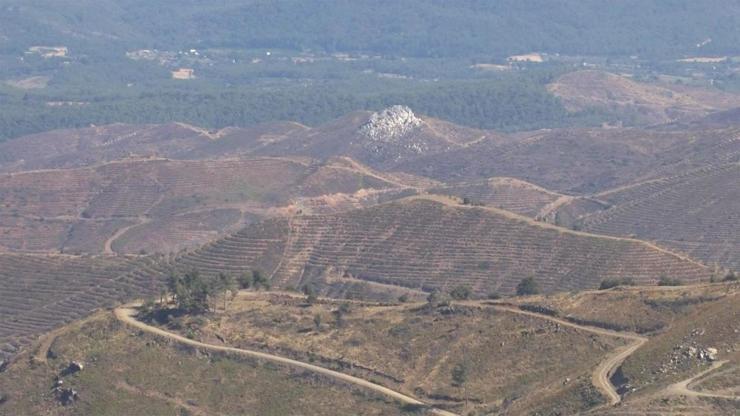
<point x="428" y="243"/>
<point x="583" y="90"/>
<point x="160" y="205"/>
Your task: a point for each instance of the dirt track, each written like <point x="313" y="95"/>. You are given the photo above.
<point x="603" y="372"/>
<point x="682" y="387"/>
<point x="126" y="314"/>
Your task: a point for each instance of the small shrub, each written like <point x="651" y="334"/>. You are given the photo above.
<point x="460" y="293"/>
<point x="310" y="293"/>
<point x="403" y="298"/>
<point x="527" y="286"/>
<point x="610" y="283"/>
<point x="667" y="281"/>
<point x="730" y="277"/>
<point x="494" y="296"/>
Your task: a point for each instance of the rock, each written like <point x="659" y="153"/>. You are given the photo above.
<point x="711" y="354"/>
<point x="4" y="365"/>
<point x="391" y="124"/>
<point x="692" y="352"/>
<point x="67" y="396"/>
<point x="72" y="368"/>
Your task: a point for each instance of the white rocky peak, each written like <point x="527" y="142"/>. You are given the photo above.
<point x="390" y="124"/>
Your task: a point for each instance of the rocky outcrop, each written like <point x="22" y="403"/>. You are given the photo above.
<point x="391" y="134"/>
<point x="391" y="124"/>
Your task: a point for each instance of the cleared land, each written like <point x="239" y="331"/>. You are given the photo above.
<point x="161" y="205"/>
<point x="129" y="373"/>
<point x="426" y="243"/>
<point x="637" y="101"/>
<point x="40" y="293"/>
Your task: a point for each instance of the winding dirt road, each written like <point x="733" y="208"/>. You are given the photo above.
<point x="603" y="372"/>
<point x="682" y="387"/>
<point x="126" y="315"/>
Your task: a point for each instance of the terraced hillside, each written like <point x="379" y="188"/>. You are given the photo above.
<point x="431" y="243"/>
<point x="161" y="205"/>
<point x="506" y="193"/>
<point x="584" y="161"/>
<point x="695" y="213"/>
<point x="40" y="293"/>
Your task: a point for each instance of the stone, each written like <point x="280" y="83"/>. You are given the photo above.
<point x="391" y="124"/>
<point x="73" y="367"/>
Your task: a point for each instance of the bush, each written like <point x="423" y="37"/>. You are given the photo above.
<point x="460" y="293"/>
<point x="610" y="283"/>
<point x="730" y="277"/>
<point x="494" y="296"/>
<point x="667" y="281"/>
<point x="527" y="286"/>
<point x="310" y="293"/>
<point x="245" y="280"/>
<point x="403" y="298"/>
<point x="437" y="298"/>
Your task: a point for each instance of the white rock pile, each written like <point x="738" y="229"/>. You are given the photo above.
<point x="391" y="124"/>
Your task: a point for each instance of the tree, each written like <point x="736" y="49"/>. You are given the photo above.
<point x="259" y="280"/>
<point x="245" y="280"/>
<point x="528" y="286"/>
<point x="317" y="319"/>
<point x="226" y="286"/>
<point x="310" y="293"/>
<point x="190" y="292"/>
<point x="437" y="298"/>
<point x="459" y="375"/>
<point x="610" y="283"/>
<point x="460" y="293"/>
<point x="340" y="313"/>
<point x="667" y="281"/>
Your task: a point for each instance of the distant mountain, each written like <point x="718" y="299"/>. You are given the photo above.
<point x="410" y="27"/>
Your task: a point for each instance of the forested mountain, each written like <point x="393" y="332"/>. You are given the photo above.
<point x="405" y="27"/>
<point x="69" y="63"/>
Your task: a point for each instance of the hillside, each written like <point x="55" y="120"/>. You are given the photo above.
<point x="648" y="103"/>
<point x="428" y="243"/>
<point x="383" y="139"/>
<point x="85" y="147"/>
<point x="127" y="374"/>
<point x="680" y="323"/>
<point x="41" y="293"/>
<point x="509" y="194"/>
<point x="694" y="213"/>
<point x="505" y="349"/>
<point x="160" y="205"/>
<point x="410" y="28"/>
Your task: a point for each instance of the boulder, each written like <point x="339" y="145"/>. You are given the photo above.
<point x="390" y="124"/>
<point x="67" y="396"/>
<point x="72" y="368"/>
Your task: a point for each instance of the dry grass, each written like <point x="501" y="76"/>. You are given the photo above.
<point x="510" y="358"/>
<point x="126" y="373"/>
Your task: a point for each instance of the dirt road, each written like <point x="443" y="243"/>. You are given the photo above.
<point x="603" y="372"/>
<point x="682" y="387"/>
<point x="126" y="314"/>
